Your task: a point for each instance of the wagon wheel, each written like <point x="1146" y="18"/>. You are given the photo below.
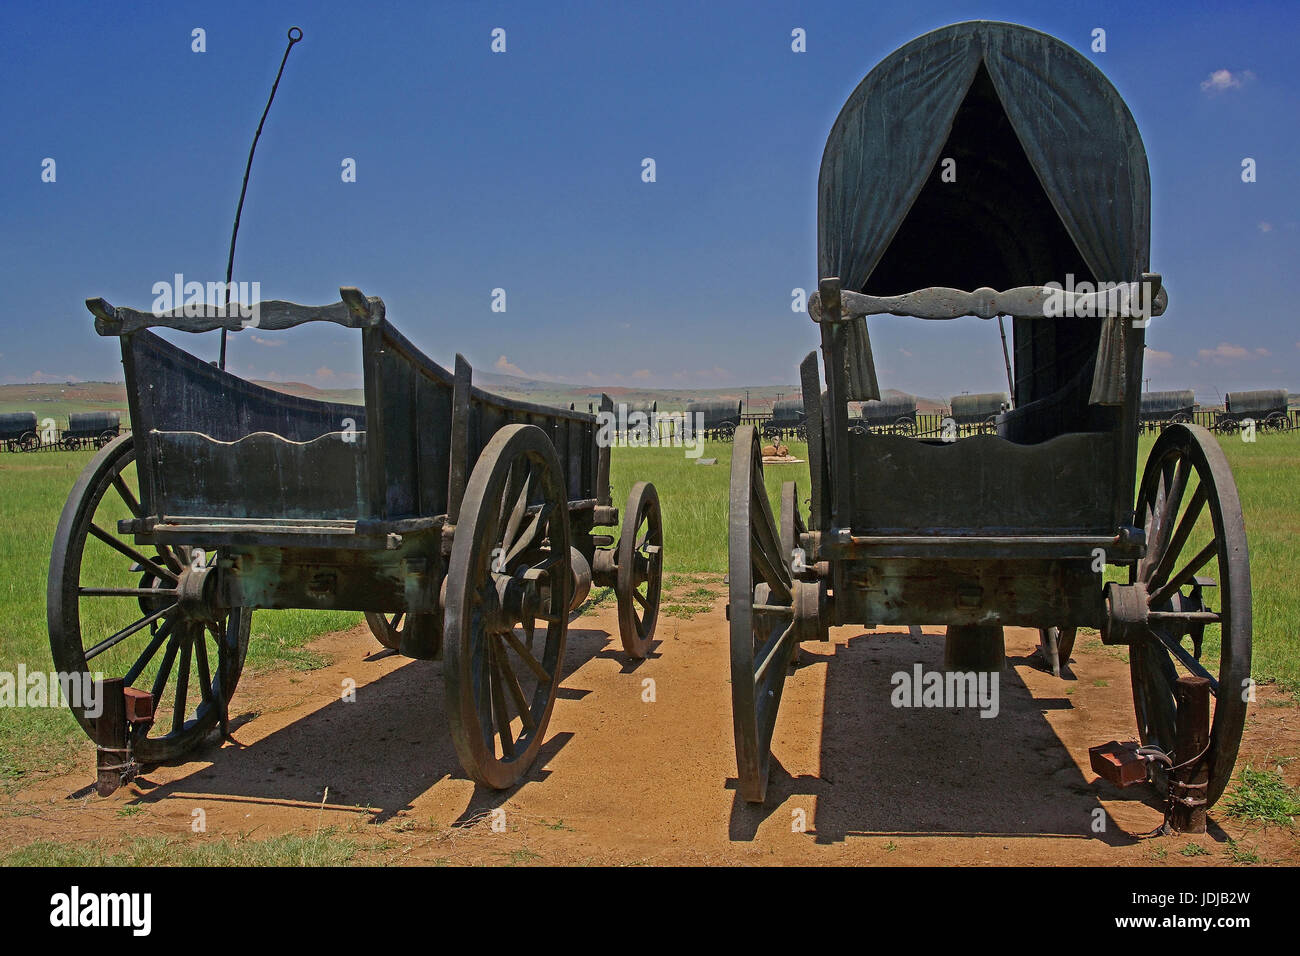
<point x="726" y="431"/>
<point x="387" y="628"/>
<point x="104" y="437"/>
<point x="70" y="444"/>
<point x="640" y="562"/>
<point x="509" y="568"/>
<point x="1055" y="644"/>
<point x="30" y="441"/>
<point x="112" y="608"/>
<point x="905" y="426"/>
<point x="1185" y="473"/>
<point x="801" y="433"/>
<point x="1227" y="425"/>
<point x="761" y="613"/>
<point x="1276" y="421"/>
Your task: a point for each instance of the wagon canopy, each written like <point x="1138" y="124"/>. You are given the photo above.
<point x="1051" y="180"/>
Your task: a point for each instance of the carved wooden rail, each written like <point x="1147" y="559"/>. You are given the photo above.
<point x="354" y="311"/>
<point x="1029" y="302"/>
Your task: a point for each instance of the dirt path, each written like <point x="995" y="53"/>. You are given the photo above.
<point x="623" y="779"/>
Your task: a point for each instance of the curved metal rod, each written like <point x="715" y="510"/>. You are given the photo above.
<point x="248" y="168"/>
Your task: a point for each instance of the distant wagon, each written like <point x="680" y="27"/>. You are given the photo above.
<point x="720" y="419"/>
<point x="788" y="419"/>
<point x="894" y="416"/>
<point x="91" y="429"/>
<point x="1267" y="408"/>
<point x="1159" y="409"/>
<point x="18" y="431"/>
<point x="639" y="423"/>
<point x="979" y="412"/>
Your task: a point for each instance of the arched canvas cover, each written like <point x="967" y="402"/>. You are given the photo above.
<point x="1069" y="123"/>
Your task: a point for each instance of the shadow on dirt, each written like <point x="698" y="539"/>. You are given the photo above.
<point x="932" y="771"/>
<point x="380" y="752"/>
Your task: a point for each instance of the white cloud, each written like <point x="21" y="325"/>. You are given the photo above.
<point x="1265" y="227"/>
<point x="269" y="343"/>
<point x="1221" y="80"/>
<point x="507" y="367"/>
<point x="1224" y="352"/>
<point x="1157" y="358"/>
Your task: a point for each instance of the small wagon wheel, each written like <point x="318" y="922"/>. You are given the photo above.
<point x="801" y="433"/>
<point x="104" y="437"/>
<point x="905" y="426"/>
<point x="761" y="613"/>
<point x="30" y="441"/>
<point x="510" y="567"/>
<point x="1192" y="516"/>
<point x="70" y="443"/>
<point x="726" y="431"/>
<point x="640" y="569"/>
<point x="387" y="628"/>
<point x="1227" y="425"/>
<point x="1277" y="421"/>
<point x="112" y="608"/>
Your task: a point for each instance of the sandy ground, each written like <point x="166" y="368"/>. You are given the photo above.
<point x="624" y="779"/>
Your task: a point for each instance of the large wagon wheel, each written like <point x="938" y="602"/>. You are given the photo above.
<point x="905" y="426"/>
<point x="509" y="568"/>
<point x="1189" y="507"/>
<point x="146" y="617"/>
<point x="640" y="569"/>
<point x="761" y="613"/>
<point x="29" y="441"/>
<point x="726" y="432"/>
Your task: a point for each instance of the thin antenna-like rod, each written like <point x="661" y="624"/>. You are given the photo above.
<point x="1006" y="358"/>
<point x="230" y="260"/>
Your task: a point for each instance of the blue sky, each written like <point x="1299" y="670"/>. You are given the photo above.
<point x="522" y="171"/>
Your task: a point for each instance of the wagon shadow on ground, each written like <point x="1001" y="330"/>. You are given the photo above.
<point x="922" y="771"/>
<point x="381" y="752"/>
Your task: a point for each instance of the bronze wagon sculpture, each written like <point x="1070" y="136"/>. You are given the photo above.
<point x="462" y="523"/>
<point x="1051" y="186"/>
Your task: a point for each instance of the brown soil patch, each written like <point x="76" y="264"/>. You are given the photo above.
<point x="624" y="780"/>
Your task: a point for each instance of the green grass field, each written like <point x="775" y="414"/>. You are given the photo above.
<point x="694" y="502"/>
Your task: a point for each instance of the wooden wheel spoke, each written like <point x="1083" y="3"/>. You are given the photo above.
<point x="126" y="592"/>
<point x="1173" y="484"/>
<point x="533" y="535"/>
<point x="516" y="514"/>
<point x="128" y="499"/>
<point x="527" y="657"/>
<point x="1182" y="577"/>
<point x="205" y="676"/>
<point x="501" y="715"/>
<point x="181" y="699"/>
<point x="150" y="650"/>
<point x="1174" y="545"/>
<point x="121" y="546"/>
<point x="1185" y="658"/>
<point x="516" y="692"/>
<point x="164" y="670"/>
<point x="126" y="632"/>
<point x="1158" y="679"/>
<point x="769" y="652"/>
<point x="638" y="597"/>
